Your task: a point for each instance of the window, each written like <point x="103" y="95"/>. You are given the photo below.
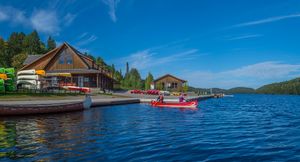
<point x="61" y="59"/>
<point x="65" y="58"/>
<point x="174" y="85"/>
<point x="69" y="59"/>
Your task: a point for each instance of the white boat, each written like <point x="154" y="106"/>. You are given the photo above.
<point x="32" y="82"/>
<point x="26" y="72"/>
<point x="28" y="77"/>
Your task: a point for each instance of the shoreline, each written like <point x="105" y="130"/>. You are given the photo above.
<point x="97" y="101"/>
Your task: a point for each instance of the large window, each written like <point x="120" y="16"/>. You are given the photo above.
<point x="65" y="58"/>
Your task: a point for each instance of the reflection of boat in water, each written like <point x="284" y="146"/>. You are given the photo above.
<point x="228" y="95"/>
<point x="26" y="109"/>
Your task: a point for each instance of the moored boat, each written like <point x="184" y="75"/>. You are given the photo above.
<point x="190" y="104"/>
<point x="29" y="109"/>
<point x="28" y="77"/>
<point x="75" y="88"/>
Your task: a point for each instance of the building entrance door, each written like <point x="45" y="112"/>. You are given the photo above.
<point x="80" y="81"/>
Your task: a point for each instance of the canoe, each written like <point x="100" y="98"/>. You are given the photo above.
<point x="3" y="76"/>
<point x="190" y="104"/>
<point x="29" y="109"/>
<point x="81" y="89"/>
<point x="28" y="77"/>
<point x="26" y="72"/>
<point x="9" y="70"/>
<point x="40" y="72"/>
<point x="32" y="82"/>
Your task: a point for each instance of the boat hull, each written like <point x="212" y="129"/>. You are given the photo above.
<point x="26" y="72"/>
<point x="191" y="104"/>
<point x="28" y="77"/>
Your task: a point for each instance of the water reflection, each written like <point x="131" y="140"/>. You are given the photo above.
<point x="25" y="137"/>
<point x="243" y="128"/>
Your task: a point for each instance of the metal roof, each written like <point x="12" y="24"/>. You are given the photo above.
<point x="31" y="58"/>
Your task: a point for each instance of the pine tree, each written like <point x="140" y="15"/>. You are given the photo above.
<point x="135" y="81"/>
<point x="185" y="87"/>
<point x="51" y="44"/>
<point x="127" y="67"/>
<point x="148" y="81"/>
<point x="3" y="50"/>
<point x="99" y="61"/>
<point x="32" y="44"/>
<point x="14" y="47"/>
<point x="17" y="61"/>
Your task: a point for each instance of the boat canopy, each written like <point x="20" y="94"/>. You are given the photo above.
<point x="59" y="74"/>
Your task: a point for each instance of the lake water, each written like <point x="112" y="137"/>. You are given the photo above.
<point x="242" y="128"/>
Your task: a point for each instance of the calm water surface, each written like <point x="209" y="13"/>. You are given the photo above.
<point x="242" y="128"/>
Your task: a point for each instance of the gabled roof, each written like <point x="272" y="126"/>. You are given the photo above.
<point x="169" y="75"/>
<point x="31" y="58"/>
<point x="53" y="53"/>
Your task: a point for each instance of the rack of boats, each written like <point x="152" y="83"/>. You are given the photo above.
<point x="36" y="79"/>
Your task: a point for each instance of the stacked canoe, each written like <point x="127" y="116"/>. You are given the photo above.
<point x="30" y="79"/>
<point x="7" y="79"/>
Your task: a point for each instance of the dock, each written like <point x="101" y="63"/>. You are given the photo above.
<point x="77" y="104"/>
<point x="108" y="101"/>
<point x="148" y="99"/>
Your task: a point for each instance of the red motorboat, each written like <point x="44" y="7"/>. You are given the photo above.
<point x="190" y="104"/>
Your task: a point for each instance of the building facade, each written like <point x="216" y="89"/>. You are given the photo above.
<point x="67" y="60"/>
<point x="169" y="83"/>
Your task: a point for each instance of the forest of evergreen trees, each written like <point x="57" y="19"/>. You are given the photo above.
<point x="18" y="46"/>
<point x="288" y="87"/>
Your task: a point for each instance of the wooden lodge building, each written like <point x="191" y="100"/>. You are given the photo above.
<point x="170" y="83"/>
<point x="66" y="59"/>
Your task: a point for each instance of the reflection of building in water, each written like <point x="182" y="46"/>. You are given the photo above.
<point x="7" y="138"/>
<point x="48" y="136"/>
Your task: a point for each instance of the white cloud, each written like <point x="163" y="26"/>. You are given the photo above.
<point x="152" y="57"/>
<point x="254" y="75"/>
<point x="45" y="21"/>
<point x="264" y="70"/>
<point x="245" y="37"/>
<point x="69" y="18"/>
<point x="85" y="38"/>
<point x="267" y="20"/>
<point x="3" y="16"/>
<point x="112" y="4"/>
<point x="14" y="15"/>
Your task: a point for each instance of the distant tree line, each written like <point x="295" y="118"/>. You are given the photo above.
<point x="291" y="87"/>
<point x="18" y="46"/>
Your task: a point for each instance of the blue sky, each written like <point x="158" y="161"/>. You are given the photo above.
<point x="210" y="43"/>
